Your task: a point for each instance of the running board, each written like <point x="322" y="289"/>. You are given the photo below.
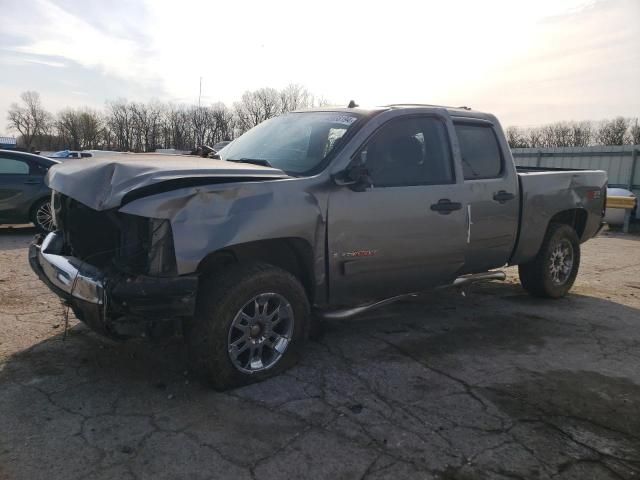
<point x="477" y="277"/>
<point x="458" y="282"/>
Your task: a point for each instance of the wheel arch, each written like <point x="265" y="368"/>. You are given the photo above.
<point x="574" y="217"/>
<point x="292" y="254"/>
<point x="533" y="232"/>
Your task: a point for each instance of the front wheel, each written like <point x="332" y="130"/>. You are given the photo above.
<point x="250" y="324"/>
<point x="552" y="273"/>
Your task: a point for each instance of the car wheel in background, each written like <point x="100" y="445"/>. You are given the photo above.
<point x="42" y="216"/>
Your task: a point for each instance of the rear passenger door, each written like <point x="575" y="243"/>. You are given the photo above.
<point x="492" y="196"/>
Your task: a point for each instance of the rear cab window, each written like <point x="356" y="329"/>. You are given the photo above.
<point x="480" y="151"/>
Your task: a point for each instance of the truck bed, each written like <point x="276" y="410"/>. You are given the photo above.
<point x="525" y="169"/>
<point x="546" y="191"/>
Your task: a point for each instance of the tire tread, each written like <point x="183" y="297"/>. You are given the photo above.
<point x="533" y="275"/>
<point x="207" y="333"/>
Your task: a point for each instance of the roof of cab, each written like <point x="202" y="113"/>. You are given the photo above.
<point x="462" y="111"/>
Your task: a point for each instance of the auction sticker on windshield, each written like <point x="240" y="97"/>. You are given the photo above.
<point x="342" y="119"/>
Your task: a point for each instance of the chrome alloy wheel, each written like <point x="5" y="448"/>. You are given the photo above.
<point x="260" y="333"/>
<point x="44" y="217"/>
<point x="561" y="262"/>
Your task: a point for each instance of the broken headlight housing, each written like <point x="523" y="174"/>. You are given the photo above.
<point x="161" y="255"/>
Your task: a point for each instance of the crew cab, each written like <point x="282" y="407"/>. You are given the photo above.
<point x="315" y="214"/>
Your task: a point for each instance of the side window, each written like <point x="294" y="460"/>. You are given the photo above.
<point x="9" y="166"/>
<point x="409" y="151"/>
<point x="481" y="155"/>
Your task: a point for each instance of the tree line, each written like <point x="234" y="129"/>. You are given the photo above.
<point x="617" y="131"/>
<point x="144" y="127"/>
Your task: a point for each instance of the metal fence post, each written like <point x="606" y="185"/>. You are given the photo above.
<point x="634" y="161"/>
<point x="539" y="159"/>
<point x="627" y="220"/>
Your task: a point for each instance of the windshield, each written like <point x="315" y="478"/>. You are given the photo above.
<point x="296" y="142"/>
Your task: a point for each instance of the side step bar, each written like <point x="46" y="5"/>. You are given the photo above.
<point x="458" y="282"/>
<point x="477" y="277"/>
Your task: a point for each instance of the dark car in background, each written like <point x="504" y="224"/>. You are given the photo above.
<point x="24" y="197"/>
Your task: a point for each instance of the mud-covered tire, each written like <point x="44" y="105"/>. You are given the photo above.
<point x="549" y="275"/>
<point x="223" y="300"/>
<point x="41" y="216"/>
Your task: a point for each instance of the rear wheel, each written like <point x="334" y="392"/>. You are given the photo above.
<point x="250" y="324"/>
<point x="42" y="216"/>
<point x="552" y="273"/>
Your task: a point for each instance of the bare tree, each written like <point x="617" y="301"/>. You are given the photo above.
<point x="559" y="134"/>
<point x="198" y="117"/>
<point x="516" y="138"/>
<point x="120" y="124"/>
<point x="225" y="122"/>
<point x="176" y="127"/>
<point x="79" y="129"/>
<point x="90" y="128"/>
<point x="534" y="137"/>
<point x="547" y="136"/>
<point x="634" y="133"/>
<point x="138" y="126"/>
<point x="69" y="129"/>
<point x="256" y="107"/>
<point x="613" y="132"/>
<point x="562" y="134"/>
<point x="294" y="97"/>
<point x="29" y="119"/>
<point x="581" y="133"/>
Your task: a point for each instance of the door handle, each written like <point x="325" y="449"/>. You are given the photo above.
<point x="445" y="206"/>
<point x="503" y="196"/>
<point x="32" y="182"/>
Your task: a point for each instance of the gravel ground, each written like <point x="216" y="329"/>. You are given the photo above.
<point x="492" y="385"/>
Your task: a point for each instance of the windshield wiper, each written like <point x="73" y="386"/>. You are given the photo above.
<point x="255" y="161"/>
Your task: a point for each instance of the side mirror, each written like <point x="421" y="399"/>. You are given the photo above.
<point x="355" y="176"/>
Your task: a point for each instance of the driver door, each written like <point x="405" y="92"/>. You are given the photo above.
<point x="406" y="232"/>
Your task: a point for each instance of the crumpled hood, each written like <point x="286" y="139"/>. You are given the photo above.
<point x="102" y="183"/>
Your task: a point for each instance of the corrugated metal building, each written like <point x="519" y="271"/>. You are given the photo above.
<point x="7" y="143"/>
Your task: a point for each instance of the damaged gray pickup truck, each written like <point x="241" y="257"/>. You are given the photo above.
<point x="310" y="215"/>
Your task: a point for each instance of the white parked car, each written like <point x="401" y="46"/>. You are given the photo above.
<point x="65" y="154"/>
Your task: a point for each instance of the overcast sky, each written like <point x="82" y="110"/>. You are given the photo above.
<point x="530" y="62"/>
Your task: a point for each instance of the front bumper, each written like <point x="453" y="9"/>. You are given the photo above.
<point x="113" y="304"/>
<point x="68" y="277"/>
